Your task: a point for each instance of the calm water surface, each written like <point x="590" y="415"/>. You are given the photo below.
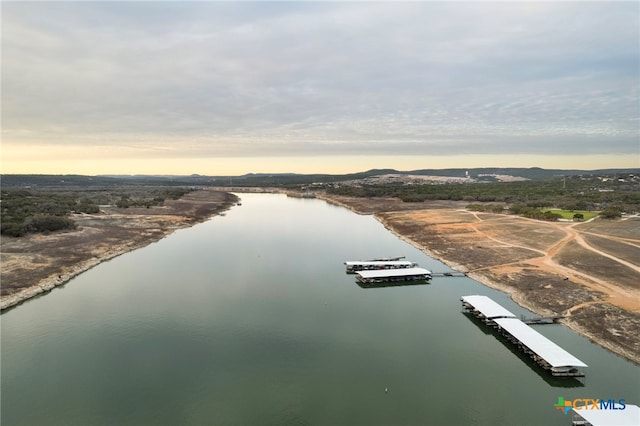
<point x="249" y="319"/>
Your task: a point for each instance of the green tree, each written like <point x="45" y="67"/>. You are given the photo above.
<point x="612" y="212"/>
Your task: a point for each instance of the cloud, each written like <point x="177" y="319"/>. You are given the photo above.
<point x="274" y="79"/>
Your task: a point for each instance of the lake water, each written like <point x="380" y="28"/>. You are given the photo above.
<point x="250" y="319"/>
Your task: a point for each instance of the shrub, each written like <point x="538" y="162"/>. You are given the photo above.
<point x="12" y="229"/>
<point x="45" y="222"/>
<point x="123" y="202"/>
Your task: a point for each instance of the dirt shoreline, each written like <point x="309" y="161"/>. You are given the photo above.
<point x="534" y="262"/>
<point x="36" y="264"/>
<point x="48" y="284"/>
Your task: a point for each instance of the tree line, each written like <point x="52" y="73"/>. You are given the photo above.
<point x="528" y="198"/>
<point x="40" y="211"/>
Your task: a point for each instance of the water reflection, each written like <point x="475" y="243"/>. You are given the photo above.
<point x="392" y="284"/>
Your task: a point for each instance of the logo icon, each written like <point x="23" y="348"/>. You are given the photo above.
<point x="589" y="404"/>
<point x="563" y="405"/>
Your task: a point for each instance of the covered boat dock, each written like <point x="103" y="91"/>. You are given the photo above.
<point x="484" y="308"/>
<point x="372" y="265"/>
<point x="543" y="351"/>
<point x="390" y="275"/>
<point x="630" y="416"/>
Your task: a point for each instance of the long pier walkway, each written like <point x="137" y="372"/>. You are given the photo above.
<point x="448" y="274"/>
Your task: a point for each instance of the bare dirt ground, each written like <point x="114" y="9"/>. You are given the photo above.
<point x="589" y="272"/>
<point x="35" y="264"/>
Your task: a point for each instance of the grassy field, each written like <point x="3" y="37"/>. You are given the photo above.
<point x="568" y="214"/>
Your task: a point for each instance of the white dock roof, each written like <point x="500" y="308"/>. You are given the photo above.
<point x="378" y="262"/>
<point x="630" y="416"/>
<point x="487" y="307"/>
<point x="545" y="348"/>
<point x="381" y="273"/>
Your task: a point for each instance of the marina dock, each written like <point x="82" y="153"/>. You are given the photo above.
<point x="630" y="416"/>
<point x="541" y="350"/>
<point x="485" y="309"/>
<point x="372" y="265"/>
<point x="393" y="275"/>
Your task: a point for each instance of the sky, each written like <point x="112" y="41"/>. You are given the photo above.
<point x="227" y="88"/>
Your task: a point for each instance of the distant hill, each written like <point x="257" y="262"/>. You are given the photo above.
<point x="33" y="180"/>
<point x="56" y="180"/>
<point x="533" y="173"/>
<point x="286" y="179"/>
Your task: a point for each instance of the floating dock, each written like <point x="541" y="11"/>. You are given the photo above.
<point x="630" y="416"/>
<point x="393" y="275"/>
<point x="372" y="265"/>
<point x="543" y="351"/>
<point x="485" y="309"/>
